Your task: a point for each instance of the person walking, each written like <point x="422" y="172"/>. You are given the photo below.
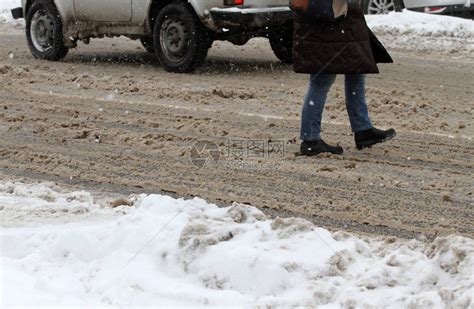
<point x="332" y="37"/>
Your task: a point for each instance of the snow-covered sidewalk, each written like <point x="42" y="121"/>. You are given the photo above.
<point x="164" y="251"/>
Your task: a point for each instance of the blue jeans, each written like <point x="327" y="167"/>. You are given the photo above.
<point x="313" y="108"/>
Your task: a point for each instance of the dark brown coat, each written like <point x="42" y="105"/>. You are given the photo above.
<point x="345" y="46"/>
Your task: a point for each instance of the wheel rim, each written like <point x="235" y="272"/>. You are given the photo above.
<point x="174" y="39"/>
<point x="381" y="6"/>
<point x="42" y="31"/>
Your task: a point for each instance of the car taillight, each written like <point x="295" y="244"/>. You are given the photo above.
<point x="434" y="9"/>
<point x="233" y="2"/>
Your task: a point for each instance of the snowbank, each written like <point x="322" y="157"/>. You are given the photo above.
<point x="421" y="24"/>
<point x="424" y="33"/>
<point x="164" y="251"/>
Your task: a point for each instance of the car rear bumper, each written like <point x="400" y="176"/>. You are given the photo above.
<point x="17" y="13"/>
<point x="250" y="17"/>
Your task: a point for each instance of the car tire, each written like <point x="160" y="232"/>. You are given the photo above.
<point x="44" y="31"/>
<point x="281" y="41"/>
<point x="373" y="7"/>
<point x="181" y="41"/>
<point x="148" y="44"/>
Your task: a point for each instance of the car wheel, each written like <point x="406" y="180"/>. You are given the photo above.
<point x="373" y="7"/>
<point x="181" y="41"/>
<point x="148" y="44"/>
<point x="281" y="41"/>
<point x="44" y="31"/>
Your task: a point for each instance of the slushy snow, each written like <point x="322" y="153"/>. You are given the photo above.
<point x="167" y="252"/>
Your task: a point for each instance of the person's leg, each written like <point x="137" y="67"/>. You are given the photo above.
<point x="313" y="108"/>
<point x="356" y="104"/>
<point x="365" y="134"/>
<point x="319" y="86"/>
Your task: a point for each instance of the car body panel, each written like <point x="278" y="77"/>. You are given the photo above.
<point x="435" y="3"/>
<point x="103" y="11"/>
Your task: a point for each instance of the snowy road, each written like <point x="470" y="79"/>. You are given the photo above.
<point x="108" y="118"/>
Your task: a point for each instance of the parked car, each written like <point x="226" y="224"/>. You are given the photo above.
<point x="180" y="32"/>
<point x="462" y="8"/>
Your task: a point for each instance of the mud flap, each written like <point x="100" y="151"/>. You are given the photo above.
<point x="17" y="13"/>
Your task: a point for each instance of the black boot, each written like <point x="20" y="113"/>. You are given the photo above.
<point x="373" y="136"/>
<point x="313" y="148"/>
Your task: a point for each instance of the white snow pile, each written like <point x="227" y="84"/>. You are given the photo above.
<point x="421" y="24"/>
<point x="424" y="33"/>
<point x="5" y="14"/>
<point x="169" y="252"/>
<point x="47" y="203"/>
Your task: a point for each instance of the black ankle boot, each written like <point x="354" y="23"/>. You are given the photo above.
<point x="373" y="136"/>
<point x="313" y="148"/>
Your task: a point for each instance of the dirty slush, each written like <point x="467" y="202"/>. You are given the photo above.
<point x="107" y="117"/>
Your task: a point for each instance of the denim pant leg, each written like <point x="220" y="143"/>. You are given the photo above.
<point x="356" y="104"/>
<point x="313" y="107"/>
